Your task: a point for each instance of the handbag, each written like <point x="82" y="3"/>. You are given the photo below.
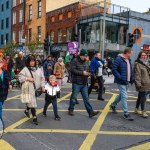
<point x="25" y="95"/>
<point x="38" y="92"/>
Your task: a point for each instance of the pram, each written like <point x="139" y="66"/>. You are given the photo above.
<point x="14" y="80"/>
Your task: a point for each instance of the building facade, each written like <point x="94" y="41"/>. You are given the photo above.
<point x="18" y="21"/>
<point x="35" y="20"/>
<point x="5" y="22"/>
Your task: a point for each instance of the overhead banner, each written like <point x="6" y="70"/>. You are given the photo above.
<point x="73" y="48"/>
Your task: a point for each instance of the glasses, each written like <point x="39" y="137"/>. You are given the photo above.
<point x="143" y="55"/>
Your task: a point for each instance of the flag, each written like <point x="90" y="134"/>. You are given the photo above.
<point x="67" y="58"/>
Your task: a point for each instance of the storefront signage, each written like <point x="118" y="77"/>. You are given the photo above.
<point x="73" y="48"/>
<point x="56" y="48"/>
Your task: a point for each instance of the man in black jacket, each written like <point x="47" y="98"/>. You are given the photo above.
<point x="80" y="74"/>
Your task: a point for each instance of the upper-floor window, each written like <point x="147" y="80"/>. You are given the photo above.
<point x="60" y="16"/>
<point x="7" y="5"/>
<point x="2" y="24"/>
<point x="14" y="36"/>
<point x="20" y="15"/>
<point x="14" y="3"/>
<point x="2" y="7"/>
<point x="20" y="35"/>
<point x="14" y="17"/>
<point x="39" y="8"/>
<point x="7" y="22"/>
<point x="39" y="32"/>
<point x="7" y="36"/>
<point x="52" y="37"/>
<point x="59" y="35"/>
<point x="30" y="35"/>
<point x="53" y="19"/>
<point x="21" y="1"/>
<point x="30" y="12"/>
<point x="69" y="15"/>
<point x="2" y="39"/>
<point x="69" y="32"/>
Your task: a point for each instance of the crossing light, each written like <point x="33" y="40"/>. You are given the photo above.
<point x="46" y="44"/>
<point x="131" y="40"/>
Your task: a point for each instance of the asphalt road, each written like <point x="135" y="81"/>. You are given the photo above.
<point x="106" y="131"/>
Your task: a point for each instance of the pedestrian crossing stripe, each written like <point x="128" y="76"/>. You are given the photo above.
<point x="145" y="146"/>
<point x="5" y="146"/>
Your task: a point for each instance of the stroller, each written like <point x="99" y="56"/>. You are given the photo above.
<point x="14" y="80"/>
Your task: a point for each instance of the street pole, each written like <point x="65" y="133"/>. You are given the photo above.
<point x="104" y="24"/>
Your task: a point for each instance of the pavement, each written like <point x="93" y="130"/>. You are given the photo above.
<point x="107" y="131"/>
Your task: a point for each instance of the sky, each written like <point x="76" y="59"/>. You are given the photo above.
<point x="135" y="5"/>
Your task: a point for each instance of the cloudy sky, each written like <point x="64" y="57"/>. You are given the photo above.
<point x="135" y="5"/>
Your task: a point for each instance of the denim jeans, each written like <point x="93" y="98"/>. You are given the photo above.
<point x="123" y="96"/>
<point x="1" y="109"/>
<point x="76" y="88"/>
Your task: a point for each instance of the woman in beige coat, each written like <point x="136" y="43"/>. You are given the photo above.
<point x="25" y="76"/>
<point x="59" y="70"/>
<point x="142" y="82"/>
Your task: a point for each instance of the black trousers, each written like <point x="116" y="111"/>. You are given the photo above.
<point x="141" y="100"/>
<point x="54" y="103"/>
<point x="100" y="84"/>
<point x="33" y="111"/>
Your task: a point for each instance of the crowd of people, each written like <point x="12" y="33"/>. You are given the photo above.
<point x="38" y="76"/>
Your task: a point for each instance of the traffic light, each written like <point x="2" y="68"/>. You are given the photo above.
<point x="130" y="40"/>
<point x="46" y="44"/>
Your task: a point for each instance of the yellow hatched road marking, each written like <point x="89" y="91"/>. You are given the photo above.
<point x="145" y="146"/>
<point x="12" y="98"/>
<point x="5" y="146"/>
<point x="87" y="144"/>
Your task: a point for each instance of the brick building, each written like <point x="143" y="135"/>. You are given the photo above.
<point x="35" y="19"/>
<point x="60" y="25"/>
<point x="18" y="21"/>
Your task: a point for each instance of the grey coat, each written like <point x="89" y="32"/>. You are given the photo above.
<point x="38" y="79"/>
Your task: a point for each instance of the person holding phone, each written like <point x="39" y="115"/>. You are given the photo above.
<point x="80" y="73"/>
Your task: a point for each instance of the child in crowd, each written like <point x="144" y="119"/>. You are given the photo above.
<point x="52" y="91"/>
<point x="48" y="72"/>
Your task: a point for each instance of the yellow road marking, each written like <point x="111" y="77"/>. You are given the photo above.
<point x="51" y="131"/>
<point x="5" y="146"/>
<point x="145" y="146"/>
<point x="11" y="127"/>
<point x="11" y="98"/>
<point x="87" y="144"/>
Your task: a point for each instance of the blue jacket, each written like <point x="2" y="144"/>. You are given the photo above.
<point x="95" y="64"/>
<point x="119" y="70"/>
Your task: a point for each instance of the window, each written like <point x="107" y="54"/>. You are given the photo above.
<point x="39" y="32"/>
<point x="39" y="8"/>
<point x="69" y="31"/>
<point x="20" y="15"/>
<point x="14" y="36"/>
<point x="30" y="12"/>
<point x="30" y="34"/>
<point x="69" y="14"/>
<point x="52" y="37"/>
<point x="2" y="39"/>
<point x="14" y="17"/>
<point x="2" y="7"/>
<point x="14" y="3"/>
<point x="7" y="35"/>
<point x="20" y="36"/>
<point x="2" y="24"/>
<point x="53" y="19"/>
<point x="59" y="35"/>
<point x="7" y="5"/>
<point x="7" y="22"/>
<point x="21" y="1"/>
<point x="60" y="17"/>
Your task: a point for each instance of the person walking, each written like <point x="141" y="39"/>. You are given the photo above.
<point x="5" y="85"/>
<point x="10" y="62"/>
<point x="80" y="74"/>
<point x="33" y="78"/>
<point x="96" y="68"/>
<point x="59" y="70"/>
<point x="122" y="71"/>
<point x="142" y="82"/>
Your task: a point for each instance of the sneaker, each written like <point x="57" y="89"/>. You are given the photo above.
<point x="35" y="121"/>
<point x="44" y="114"/>
<point x="144" y="114"/>
<point x="27" y="113"/>
<point x="57" y="118"/>
<point x="128" y="117"/>
<point x="93" y="113"/>
<point x="113" y="108"/>
<point x="70" y="112"/>
<point x="138" y="112"/>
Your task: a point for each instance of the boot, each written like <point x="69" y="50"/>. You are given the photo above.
<point x="144" y="114"/>
<point x="93" y="113"/>
<point x="138" y="112"/>
<point x="35" y="121"/>
<point x="70" y="112"/>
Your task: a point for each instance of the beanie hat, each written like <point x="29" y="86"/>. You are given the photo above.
<point x="83" y="52"/>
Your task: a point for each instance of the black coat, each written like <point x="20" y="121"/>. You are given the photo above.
<point x="20" y="63"/>
<point x="4" y="85"/>
<point x="77" y="68"/>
